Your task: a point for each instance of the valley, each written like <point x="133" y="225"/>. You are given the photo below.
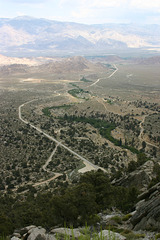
<point x="62" y="119"/>
<point x="52" y="113"/>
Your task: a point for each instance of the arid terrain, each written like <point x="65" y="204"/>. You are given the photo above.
<point x="54" y="115"/>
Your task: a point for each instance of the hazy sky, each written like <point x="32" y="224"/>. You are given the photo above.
<point x="85" y="11"/>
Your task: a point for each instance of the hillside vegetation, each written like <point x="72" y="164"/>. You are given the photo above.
<point x="74" y="205"/>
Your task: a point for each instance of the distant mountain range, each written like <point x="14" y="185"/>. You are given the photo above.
<point x="32" y="35"/>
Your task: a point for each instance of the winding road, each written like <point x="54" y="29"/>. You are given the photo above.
<point x="53" y="139"/>
<point x="107" y="77"/>
<point x="95" y="82"/>
<point x="141" y="134"/>
<point x="113" y="72"/>
<point x="88" y="164"/>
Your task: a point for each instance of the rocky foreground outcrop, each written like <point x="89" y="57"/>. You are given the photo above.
<point x="147" y="214"/>
<point x="139" y="178"/>
<point x="39" y="233"/>
<point x="144" y="220"/>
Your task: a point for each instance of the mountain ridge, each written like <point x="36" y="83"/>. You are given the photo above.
<point x="38" y="34"/>
<point x="34" y="65"/>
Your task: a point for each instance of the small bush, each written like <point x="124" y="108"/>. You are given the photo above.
<point x="126" y="217"/>
<point x="126" y="231"/>
<point x="117" y="219"/>
<point x="86" y="234"/>
<point x="133" y="236"/>
<point x="114" y="229"/>
<point x="157" y="236"/>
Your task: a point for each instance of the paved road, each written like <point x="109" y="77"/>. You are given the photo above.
<point x="107" y="77"/>
<point x="113" y="72"/>
<point x="95" y="82"/>
<point x="52" y="138"/>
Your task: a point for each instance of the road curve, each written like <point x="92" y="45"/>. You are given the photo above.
<point x="113" y="72"/>
<point x="48" y="180"/>
<point x="52" y="138"/>
<point x="95" y="82"/>
<point x="107" y="77"/>
<point x="141" y="134"/>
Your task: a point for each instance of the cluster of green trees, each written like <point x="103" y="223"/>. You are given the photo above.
<point x="74" y="205"/>
<point x="149" y="105"/>
<point x="75" y="92"/>
<point x="46" y="111"/>
<point x="104" y="128"/>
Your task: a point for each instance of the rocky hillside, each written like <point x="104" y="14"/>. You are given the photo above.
<point x="63" y="65"/>
<point x="147" y="214"/>
<point x="73" y="64"/>
<point x="38" y="233"/>
<point x="149" y="61"/>
<point x="140" y="178"/>
<point x="145" y="217"/>
<point x="93" y="200"/>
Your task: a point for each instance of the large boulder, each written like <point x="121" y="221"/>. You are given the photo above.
<point x="107" y="234"/>
<point x="70" y="232"/>
<point x="15" y="238"/>
<point x="139" y="178"/>
<point x="32" y="233"/>
<point x="147" y="214"/>
<point x="26" y="229"/>
<point x="36" y="234"/>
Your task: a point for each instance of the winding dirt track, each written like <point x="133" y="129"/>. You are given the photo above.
<point x="52" y="138"/>
<point x="48" y="180"/>
<point x="141" y="134"/>
<point x="49" y="159"/>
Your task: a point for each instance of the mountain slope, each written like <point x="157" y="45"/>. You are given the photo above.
<point x="64" y="65"/>
<point x="31" y="34"/>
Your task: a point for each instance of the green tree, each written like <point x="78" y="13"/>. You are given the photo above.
<point x="6" y="225"/>
<point x="132" y="166"/>
<point x="143" y="144"/>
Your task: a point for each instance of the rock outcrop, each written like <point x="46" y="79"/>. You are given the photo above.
<point x="147" y="214"/>
<point x="39" y="233"/>
<point x="69" y="232"/>
<point x="32" y="233"/>
<point x="139" y="178"/>
<point x="106" y="234"/>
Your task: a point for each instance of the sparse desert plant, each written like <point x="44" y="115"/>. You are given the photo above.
<point x="117" y="219"/>
<point x="133" y="236"/>
<point x="3" y="237"/>
<point x="87" y="234"/>
<point x="126" y="217"/>
<point x="157" y="236"/>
